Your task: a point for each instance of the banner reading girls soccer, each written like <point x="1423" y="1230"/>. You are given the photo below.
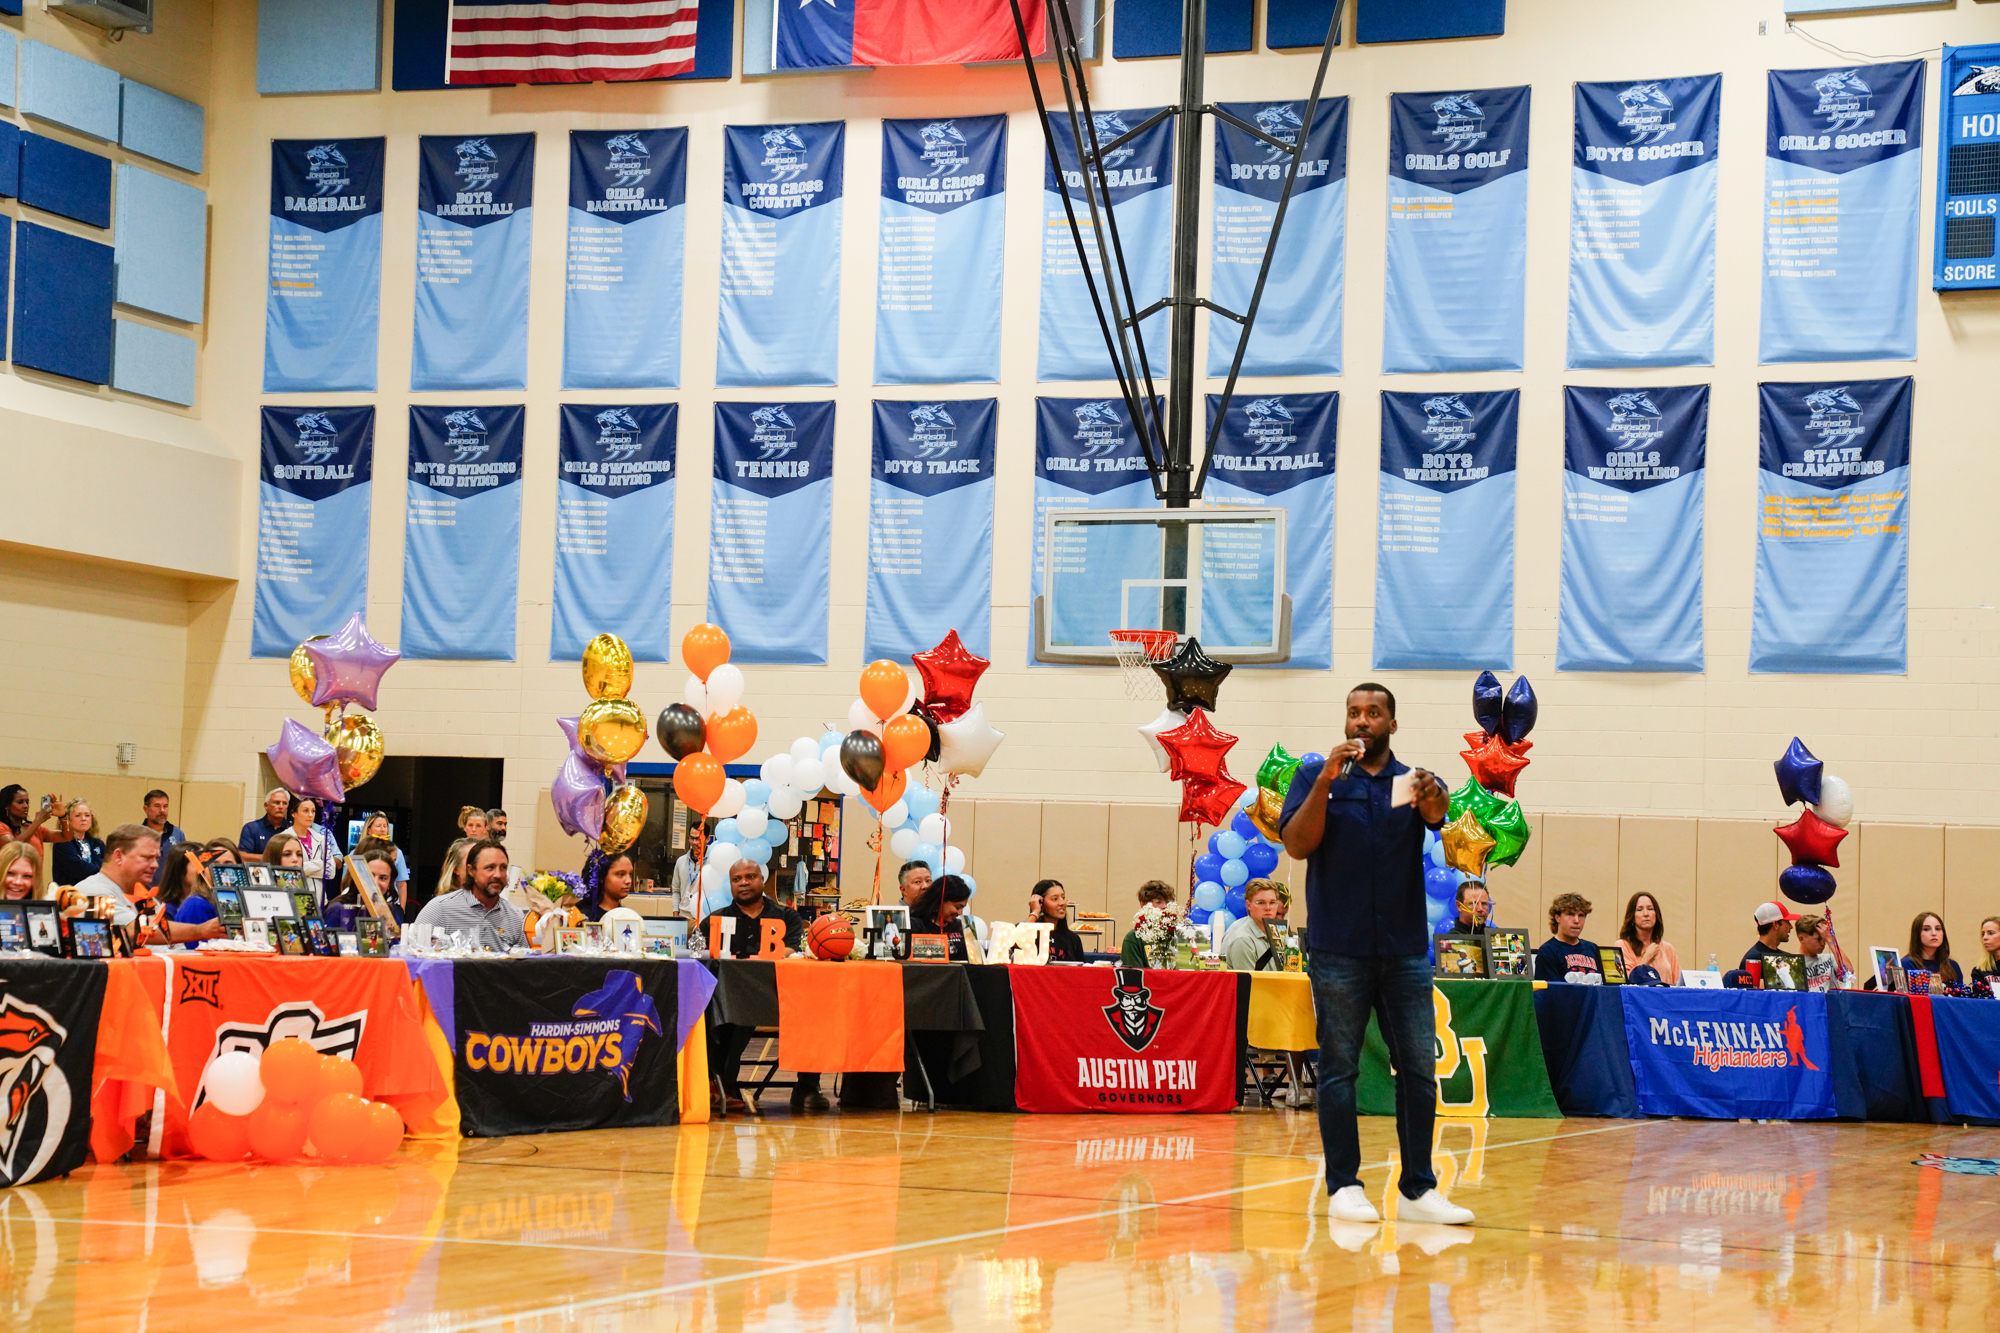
<point x="627" y="247"/>
<point x="462" y="535"/>
<point x="930" y="527"/>
<point x="1833" y="545"/>
<point x="312" y="523"/>
<point x="1139" y="178"/>
<point x="781" y="193"/>
<point x="1086" y="457"/>
<point x="475" y="226"/>
<point x="323" y="309"/>
<point x="1458" y="231"/>
<point x="1642" y="223"/>
<point x="770" y="529"/>
<point x="1444" y="554"/>
<point x="937" y="302"/>
<point x="1634" y="468"/>
<point x="615" y="528"/>
<point x="1843" y="189"/>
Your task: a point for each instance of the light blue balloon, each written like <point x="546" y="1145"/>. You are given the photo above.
<point x="971" y="888"/>
<point x="716" y="899"/>
<point x="756" y="791"/>
<point x="1434" y="848"/>
<point x="1229" y="845"/>
<point x="726" y="830"/>
<point x="921" y="801"/>
<point x="1436" y="911"/>
<point x="757" y="850"/>
<point x="930" y="854"/>
<point x="1208" y="895"/>
<point x="1234" y="873"/>
<point x="830" y="741"/>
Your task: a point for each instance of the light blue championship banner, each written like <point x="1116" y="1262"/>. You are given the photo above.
<point x="323" y="310"/>
<point x="627" y="248"/>
<point x="1444" y="552"/>
<point x="1139" y="177"/>
<point x="1298" y="324"/>
<point x="1642" y="223"/>
<point x="462" y="534"/>
<point x="1634" y="474"/>
<point x="941" y="252"/>
<point x="930" y="527"/>
<point x="475" y="225"/>
<point x="1456" y="295"/>
<point x="1276" y="453"/>
<point x="1087" y="457"/>
<point x="1843" y="204"/>
<point x="1833" y="543"/>
<point x="770" y="531"/>
<point x="615" y="529"/>
<point x="781" y="207"/>
<point x="317" y="470"/>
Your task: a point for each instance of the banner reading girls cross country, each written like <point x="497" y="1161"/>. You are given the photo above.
<point x="462" y="535"/>
<point x="770" y="529"/>
<point x="475" y="226"/>
<point x="1139" y="177"/>
<point x="615" y="528"/>
<point x="1086" y="457"/>
<point x="323" y="309"/>
<point x="781" y="205"/>
<point x="937" y="302"/>
<point x="1277" y="452"/>
<point x="627" y="247"/>
<point x="317" y="471"/>
<point x="1833" y="545"/>
<point x="930" y="527"/>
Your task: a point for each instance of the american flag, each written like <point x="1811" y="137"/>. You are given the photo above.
<point x="570" y="41"/>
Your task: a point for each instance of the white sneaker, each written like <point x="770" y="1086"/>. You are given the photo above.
<point x="1351" y="1205"/>
<point x="1300" y="1099"/>
<point x="1431" y="1206"/>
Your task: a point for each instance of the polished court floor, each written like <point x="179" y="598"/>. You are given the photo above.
<point x="967" y="1221"/>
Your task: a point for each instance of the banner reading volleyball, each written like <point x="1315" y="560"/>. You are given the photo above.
<point x="627" y="247"/>
<point x="770" y="530"/>
<point x="615" y="529"/>
<point x="781" y="214"/>
<point x="930" y="527"/>
<point x="475" y="225"/>
<point x="1139" y="177"/>
<point x="462" y="534"/>
<point x="323" y="308"/>
<point x="1086" y="457"/>
<point x="937" y="302"/>
<point x="316" y="471"/>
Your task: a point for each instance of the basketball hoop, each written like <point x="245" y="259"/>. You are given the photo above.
<point x="1137" y="650"/>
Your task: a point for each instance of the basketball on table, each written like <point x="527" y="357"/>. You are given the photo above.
<point x="830" y="937"/>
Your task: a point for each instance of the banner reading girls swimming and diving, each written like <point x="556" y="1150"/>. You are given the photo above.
<point x="462" y="534"/>
<point x="475" y="228"/>
<point x="770" y="529"/>
<point x="627" y="248"/>
<point x="615" y="528"/>
<point x="930" y="527"/>
<point x="317" y="468"/>
<point x="1086" y="457"/>
<point x="1139" y="178"/>
<point x="781" y="214"/>
<point x="323" y="308"/>
<point x="941" y="251"/>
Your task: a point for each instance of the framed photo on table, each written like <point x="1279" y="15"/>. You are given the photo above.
<point x="13" y="925"/>
<point x="1508" y="957"/>
<point x="289" y="937"/>
<point x="229" y="906"/>
<point x="256" y="931"/>
<point x="1460" y="956"/>
<point x="91" y="937"/>
<point x="371" y="937"/>
<point x="930" y="948"/>
<point x="1888" y="967"/>
<point x="260" y="876"/>
<point x="569" y="939"/>
<point x="1612" y="960"/>
<point x="45" y="933"/>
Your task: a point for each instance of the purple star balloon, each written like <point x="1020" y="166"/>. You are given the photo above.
<point x="348" y="665"/>
<point x="615" y="772"/>
<point x="306" y="764"/>
<point x="578" y="796"/>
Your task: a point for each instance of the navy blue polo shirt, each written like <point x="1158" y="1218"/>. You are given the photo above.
<point x="257" y="835"/>
<point x="1365" y="882"/>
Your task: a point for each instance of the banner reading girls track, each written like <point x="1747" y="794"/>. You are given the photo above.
<point x="627" y="247"/>
<point x="462" y="533"/>
<point x="323" y="310"/>
<point x="930" y="527"/>
<point x="1086" y="457"/>
<point x="316" y="477"/>
<point x="781" y="214"/>
<point x="1731" y="1054"/>
<point x="1275" y="452"/>
<point x="770" y="529"/>
<point x="615" y="528"/>
<point x="937" y="302"/>
<point x="1139" y="178"/>
<point x="475" y="226"/>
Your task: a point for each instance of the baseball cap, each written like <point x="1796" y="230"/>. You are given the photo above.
<point x="1767" y="913"/>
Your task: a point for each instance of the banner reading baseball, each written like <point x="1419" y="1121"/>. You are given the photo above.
<point x="1145" y="1041"/>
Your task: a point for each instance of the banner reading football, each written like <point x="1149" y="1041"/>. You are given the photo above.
<point x="475" y="226"/>
<point x="462" y="534"/>
<point x="627" y="247"/>
<point x="1833" y="545"/>
<point x="49" y="1015"/>
<point x="615" y="529"/>
<point x="937" y="301"/>
<point x="930" y="527"/>
<point x="323" y="310"/>
<point x="1139" y="178"/>
<point x="770" y="529"/>
<point x="1727" y="1055"/>
<point x="781" y="202"/>
<point x="1086" y="457"/>
<point x="1142" y="1041"/>
<point x="1275" y="452"/>
<point x="316" y="476"/>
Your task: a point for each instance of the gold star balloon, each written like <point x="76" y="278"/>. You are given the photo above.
<point x="1466" y="843"/>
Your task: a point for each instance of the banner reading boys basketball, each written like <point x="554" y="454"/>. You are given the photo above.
<point x="930" y="527"/>
<point x="317" y="467"/>
<point x="937" y="302"/>
<point x="1727" y="1055"/>
<point x="475" y="226"/>
<point x="322" y="312"/>
<point x="615" y="529"/>
<point x="1086" y="457"/>
<point x="1143" y="1041"/>
<point x="462" y="534"/>
<point x="1139" y="177"/>
<point x="627" y="247"/>
<point x="770" y="530"/>
<point x="781" y="215"/>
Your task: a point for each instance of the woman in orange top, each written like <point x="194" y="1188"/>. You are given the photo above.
<point x="1643" y="939"/>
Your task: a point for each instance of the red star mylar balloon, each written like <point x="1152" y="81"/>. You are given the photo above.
<point x="1813" y="841"/>
<point x="950" y="670"/>
<point x="1209" y="800"/>
<point x="1494" y="762"/>
<point x="1195" y="749"/>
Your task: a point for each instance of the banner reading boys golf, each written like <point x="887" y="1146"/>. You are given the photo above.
<point x="781" y="204"/>
<point x="1139" y="177"/>
<point x="1086" y="457"/>
<point x="930" y="527"/>
<point x="627" y="247"/>
<point x="475" y="227"/>
<point x="615" y="528"/>
<point x="462" y="535"/>
<point x="937" y="302"/>
<point x="317" y="466"/>
<point x="322" y="312"/>
<point x="770" y="529"/>
<point x="1275" y="452"/>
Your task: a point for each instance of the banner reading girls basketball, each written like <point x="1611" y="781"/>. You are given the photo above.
<point x="1728" y="1055"/>
<point x="770" y="529"/>
<point x="475" y="226"/>
<point x="1086" y="457"/>
<point x="781" y="204"/>
<point x="462" y="534"/>
<point x="615" y="528"/>
<point x="1139" y="178"/>
<point x="930" y="527"/>
<point x="316" y="478"/>
<point x="627" y="247"/>
<point x="323" y="308"/>
<point x="1143" y="1041"/>
<point x="937" y="302"/>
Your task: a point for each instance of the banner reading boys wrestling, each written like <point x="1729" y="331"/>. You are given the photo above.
<point x="930" y="527"/>
<point x="937" y="302"/>
<point x="627" y="246"/>
<point x="462" y="535"/>
<point x="323" y="309"/>
<point x="1141" y="1042"/>
<point x="615" y="528"/>
<point x="770" y="529"/>
<point x="1139" y="178"/>
<point x="317" y="467"/>
<point x="781" y="193"/>
<point x="1276" y="452"/>
<point x="475" y="226"/>
<point x="1086" y="457"/>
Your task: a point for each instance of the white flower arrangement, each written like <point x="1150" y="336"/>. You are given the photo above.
<point x="1162" y="923"/>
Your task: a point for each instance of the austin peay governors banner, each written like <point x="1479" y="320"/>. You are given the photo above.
<point x="49" y="1013"/>
<point x="462" y="534"/>
<point x="1723" y="1055"/>
<point x="323" y="309"/>
<point x="615" y="528"/>
<point x="1142" y="1042"/>
<point x="475" y="224"/>
<point x="1139" y="177"/>
<point x="930" y="527"/>
<point x="1086" y="457"/>
<point x="770" y="529"/>
<point x="1276" y="452"/>
<point x="781" y="217"/>
<point x="941" y="253"/>
<point x="627" y="247"/>
<point x="314" y="490"/>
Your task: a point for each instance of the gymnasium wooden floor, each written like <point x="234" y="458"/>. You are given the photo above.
<point x="967" y="1221"/>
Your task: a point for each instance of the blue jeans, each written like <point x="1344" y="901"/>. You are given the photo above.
<point x="1398" y="992"/>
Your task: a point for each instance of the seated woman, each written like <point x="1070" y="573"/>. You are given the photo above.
<point x="374" y="834"/>
<point x="82" y="855"/>
<point x="940" y="911"/>
<point x="1050" y="902"/>
<point x="1988" y="968"/>
<point x="20" y="867"/>
<point x="1930" y="950"/>
<point x="615" y="879"/>
<point x="1132" y="950"/>
<point x="185" y="893"/>
<point x="342" y="911"/>
<point x="284" y="850"/>
<point x="1643" y="939"/>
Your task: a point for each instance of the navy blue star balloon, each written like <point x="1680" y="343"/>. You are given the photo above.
<point x="1518" y="712"/>
<point x="1799" y="774"/>
<point x="1486" y="702"/>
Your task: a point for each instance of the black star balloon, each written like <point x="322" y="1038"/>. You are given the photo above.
<point x="1192" y="677"/>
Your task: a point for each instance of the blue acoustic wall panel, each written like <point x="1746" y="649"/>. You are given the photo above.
<point x="416" y="55"/>
<point x="6" y="269"/>
<point x="1428" y="20"/>
<point x="1141" y="28"/>
<point x="10" y="160"/>
<point x="69" y="90"/>
<point x="62" y="304"/>
<point x="9" y="43"/>
<point x="319" y="46"/>
<point x="161" y="244"/>
<point x="10" y="6"/>
<point x="71" y="182"/>
<point x="153" y="362"/>
<point x="161" y="126"/>
<point x="1293" y="23"/>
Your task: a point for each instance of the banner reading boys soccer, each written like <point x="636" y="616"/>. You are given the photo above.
<point x="627" y="247"/>
<point x="770" y="529"/>
<point x="930" y="527"/>
<point x="475" y="227"/>
<point x="316" y="476"/>
<point x="1276" y="452"/>
<point x="462" y="535"/>
<point x="1727" y="1055"/>
<point x="1139" y="178"/>
<point x="937" y="302"/>
<point x="323" y="309"/>
<point x="615" y="529"/>
<point x="781" y="193"/>
<point x="1833" y="546"/>
<point x="1086" y="457"/>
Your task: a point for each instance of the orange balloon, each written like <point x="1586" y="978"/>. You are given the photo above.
<point x="382" y="1135"/>
<point x="905" y="740"/>
<point x="731" y="734"/>
<point x="217" y="1135"/>
<point x="888" y="793"/>
<point x="277" y="1130"/>
<point x="338" y="1126"/>
<point x="290" y="1071"/>
<point x="704" y="648"/>
<point x="884" y="687"/>
<point x="698" y="781"/>
<point x="336" y="1076"/>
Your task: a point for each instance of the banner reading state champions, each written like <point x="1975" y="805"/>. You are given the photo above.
<point x="1141" y="1042"/>
<point x="1275" y="452"/>
<point x="462" y="534"/>
<point x="475" y="227"/>
<point x="781" y="202"/>
<point x="627" y="247"/>
<point x="317" y="468"/>
<point x="323" y="309"/>
<point x="615" y="528"/>
<point x="937" y="303"/>
<point x="1138" y="177"/>
<point x="1718" y="1055"/>
<point x="1086" y="457"/>
<point x="770" y="530"/>
<point x="930" y="527"/>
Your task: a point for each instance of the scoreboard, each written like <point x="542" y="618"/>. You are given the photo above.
<point x="1968" y="205"/>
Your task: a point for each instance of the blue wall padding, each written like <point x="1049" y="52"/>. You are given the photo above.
<point x="1428" y="20"/>
<point x="1293" y="23"/>
<point x="161" y="244"/>
<point x="1141" y="28"/>
<point x="9" y="90"/>
<point x="67" y="181"/>
<point x="10" y="160"/>
<point x="154" y="363"/>
<point x="319" y="46"/>
<point x="163" y="127"/>
<point x="6" y="269"/>
<point x="69" y="90"/>
<point x="62" y="304"/>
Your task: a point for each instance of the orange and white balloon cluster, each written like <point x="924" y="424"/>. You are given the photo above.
<point x="711" y="727"/>
<point x="289" y="1104"/>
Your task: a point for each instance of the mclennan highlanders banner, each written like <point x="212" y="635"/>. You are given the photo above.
<point x="1458" y="231"/>
<point x="312" y="523"/>
<point x="475" y="224"/>
<point x="627" y="246"/>
<point x="781" y="193"/>
<point x="930" y="527"/>
<point x="1139" y="177"/>
<point x="1086" y="457"/>
<point x="1642" y="223"/>
<point x="1833" y="545"/>
<point x="462" y="534"/>
<point x="324" y="305"/>
<point x="771" y="528"/>
<point x="1843" y="193"/>
<point x="1633" y="478"/>
<point x="1444" y="554"/>
<point x="937" y="301"/>
<point x="615" y="528"/>
<point x="1276" y="452"/>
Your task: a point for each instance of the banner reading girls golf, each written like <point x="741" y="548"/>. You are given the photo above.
<point x="1634" y="469"/>
<point x="781" y="193"/>
<point x="937" y="302"/>
<point x="1728" y="1055"/>
<point x="770" y="529"/>
<point x="930" y="527"/>
<point x="627" y="247"/>
<point x="1139" y="178"/>
<point x="475" y="225"/>
<point x="1833" y="544"/>
<point x="615" y="528"/>
<point x="1086" y="457"/>
<point x="317" y="471"/>
<point x="1444" y="555"/>
<point x="462" y="535"/>
<point x="323" y="309"/>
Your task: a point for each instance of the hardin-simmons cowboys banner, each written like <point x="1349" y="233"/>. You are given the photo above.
<point x="475" y="224"/>
<point x="323" y="308"/>
<point x="1139" y="177"/>
<point x="771" y="529"/>
<point x="937" y="303"/>
<point x="615" y="528"/>
<point x="627" y="247"/>
<point x="462" y="535"/>
<point x="1279" y="452"/>
<point x="1833" y="545"/>
<point x="1444" y="554"/>
<point x="1634" y="465"/>
<point x="781" y="206"/>
<point x="1642" y="223"/>
<point x="1458" y="231"/>
<point x="318" y="466"/>
<point x="1086" y="457"/>
<point x="1843" y="187"/>
<point x="930" y="527"/>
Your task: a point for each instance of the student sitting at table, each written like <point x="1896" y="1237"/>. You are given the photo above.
<point x="1568" y="956"/>
<point x="1642" y="940"/>
<point x="1930" y="951"/>
<point x="1774" y="928"/>
<point x="1050" y="902"/>
<point x="1475" y="910"/>
<point x="1826" y="967"/>
<point x="1247" y="946"/>
<point x="1988" y="968"/>
<point x="939" y="912"/>
<point x="1132" y="951"/>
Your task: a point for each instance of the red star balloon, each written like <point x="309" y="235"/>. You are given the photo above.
<point x="1195" y="749"/>
<point x="1209" y="800"/>
<point x="950" y="670"/>
<point x="1494" y="762"/>
<point x="1813" y="841"/>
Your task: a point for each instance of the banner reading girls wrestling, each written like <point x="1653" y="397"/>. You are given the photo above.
<point x="937" y="299"/>
<point x="1458" y="231"/>
<point x="1843" y="188"/>
<point x="1275" y="452"/>
<point x="1086" y="457"/>
<point x="1833" y="544"/>
<point x="462" y="534"/>
<point x="615" y="528"/>
<point x="781" y="193"/>
<point x="930" y="527"/>
<point x="1139" y="178"/>
<point x="1444" y="551"/>
<point x="1642" y="223"/>
<point x="323" y="309"/>
<point x="627" y="247"/>
<point x="1634" y="468"/>
<point x="475" y="226"/>
<point x="317" y="471"/>
<point x="770" y="529"/>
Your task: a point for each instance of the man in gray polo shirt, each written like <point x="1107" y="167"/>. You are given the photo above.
<point x="478" y="911"/>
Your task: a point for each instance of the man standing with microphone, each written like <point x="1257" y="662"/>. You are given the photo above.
<point x="1357" y="820"/>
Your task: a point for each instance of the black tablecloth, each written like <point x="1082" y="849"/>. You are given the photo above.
<point x="987" y="1084"/>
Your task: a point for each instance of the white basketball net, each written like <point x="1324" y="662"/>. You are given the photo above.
<point x="1137" y="650"/>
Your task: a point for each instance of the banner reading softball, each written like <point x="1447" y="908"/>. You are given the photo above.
<point x="1275" y="452"/>
<point x="770" y="529"/>
<point x="937" y="302"/>
<point x="930" y="527"/>
<point x="475" y="226"/>
<point x="627" y="247"/>
<point x="323" y="309"/>
<point x="781" y="193"/>
<point x="1139" y="177"/>
<point x="615" y="528"/>
<point x="1086" y="457"/>
<point x="317" y="471"/>
<point x="462" y="535"/>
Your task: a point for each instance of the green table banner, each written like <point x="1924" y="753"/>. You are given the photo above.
<point x="1489" y="1055"/>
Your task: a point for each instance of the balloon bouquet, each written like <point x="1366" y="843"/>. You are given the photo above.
<point x="1189" y="748"/>
<point x="286" y="1103"/>
<point x="1815" y="835"/>
<point x="1235" y="856"/>
<point x="1485" y="824"/>
<point x="335" y="672"/>
<point x="602" y="738"/>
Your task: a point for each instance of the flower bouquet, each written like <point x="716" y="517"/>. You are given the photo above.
<point x="1165" y="931"/>
<point x="555" y="894"/>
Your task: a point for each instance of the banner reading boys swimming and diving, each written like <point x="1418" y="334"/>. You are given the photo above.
<point x="770" y="529"/>
<point x="1086" y="457"/>
<point x="930" y="527"/>
<point x="615" y="528"/>
<point x="462" y="534"/>
<point x="781" y="207"/>
<point x="627" y="247"/>
<point x="317" y="471"/>
<point x="937" y="302"/>
<point x="1139" y="177"/>
<point x="1833" y="544"/>
<point x="323" y="308"/>
<point x="1642" y="223"/>
<point x="475" y="228"/>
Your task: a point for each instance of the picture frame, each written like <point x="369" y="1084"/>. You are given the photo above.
<point x="256" y="931"/>
<point x="371" y="937"/>
<point x="348" y="943"/>
<point x="260" y="876"/>
<point x="305" y="905"/>
<point x="45" y="932"/>
<point x="930" y="948"/>
<point x="319" y="939"/>
<point x="229" y="906"/>
<point x="1509" y="955"/>
<point x="267" y="905"/>
<point x="1786" y="973"/>
<point x="625" y="937"/>
<point x="595" y="938"/>
<point x="1460" y="957"/>
<point x="90" y="938"/>
<point x="236" y="878"/>
<point x="289" y="937"/>
<point x="289" y="878"/>
<point x="1888" y="967"/>
<point x="1612" y="961"/>
<point x="569" y="939"/>
<point x="13" y="926"/>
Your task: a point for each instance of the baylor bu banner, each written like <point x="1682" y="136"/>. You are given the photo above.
<point x="1728" y="1055"/>
<point x="1489" y="1055"/>
<point x="1130" y="1040"/>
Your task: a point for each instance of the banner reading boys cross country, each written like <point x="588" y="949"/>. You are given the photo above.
<point x="930" y="527"/>
<point x="1142" y="1041"/>
<point x="782" y="187"/>
<point x="1139" y="178"/>
<point x="317" y="466"/>
<point x="615" y="529"/>
<point x="1489" y="1055"/>
<point x="941" y="253"/>
<point x="1727" y="1055"/>
<point x="627" y="246"/>
<point x="462" y="535"/>
<point x="475" y="226"/>
<point x="1086" y="457"/>
<point x="770" y="529"/>
<point x="324" y="305"/>
<point x="1276" y="452"/>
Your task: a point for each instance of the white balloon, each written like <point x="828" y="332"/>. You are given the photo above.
<point x="715" y="874"/>
<point x="909" y="694"/>
<point x="725" y="687"/>
<point x="968" y="744"/>
<point x="785" y="802"/>
<point x="730" y="802"/>
<point x="1166" y="721"/>
<point x="808" y="775"/>
<point x="896" y="816"/>
<point x="753" y="821"/>
<point x="934" y="828"/>
<point x="1836" y="801"/>
<point x="860" y="719"/>
<point x="696" y="694"/>
<point x="777" y="771"/>
<point x="954" y="860"/>
<point x="234" y="1083"/>
<point x="838" y="782"/>
<point x="902" y="842"/>
<point x="804" y="748"/>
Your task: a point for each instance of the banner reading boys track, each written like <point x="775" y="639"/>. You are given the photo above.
<point x="930" y="527"/>
<point x="1139" y="176"/>
<point x="317" y="466"/>
<point x="1728" y="1055"/>
<point x="1086" y="457"/>
<point x="782" y="187"/>
<point x="1141" y="1041"/>
<point x="49" y="1013"/>
<point x="1489" y="1055"/>
<point x="323" y="311"/>
<point x="770" y="529"/>
<point x="615" y="528"/>
<point x="627" y="247"/>
<point x="941" y="252"/>
<point x="462" y="534"/>
<point x="1275" y="452"/>
<point x="475" y="227"/>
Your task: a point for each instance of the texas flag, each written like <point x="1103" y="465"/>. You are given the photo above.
<point x="816" y="34"/>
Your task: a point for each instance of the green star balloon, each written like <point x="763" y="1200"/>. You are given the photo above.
<point x="1483" y="803"/>
<point x="1510" y="830"/>
<point x="1275" y="773"/>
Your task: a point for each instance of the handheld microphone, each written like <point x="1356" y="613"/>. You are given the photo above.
<point x="1346" y="768"/>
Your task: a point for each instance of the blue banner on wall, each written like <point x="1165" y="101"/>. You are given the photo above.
<point x="615" y="529"/>
<point x="316" y="474"/>
<point x="1642" y="223"/>
<point x="1444" y="551"/>
<point x="627" y="248"/>
<point x="1086" y="457"/>
<point x="462" y="534"/>
<point x="770" y="529"/>
<point x="1728" y="1055"/>
<point x="781" y="209"/>
<point x="1843" y="193"/>
<point x="1277" y="452"/>
<point x="1140" y="178"/>
<point x="323" y="310"/>
<point x="475" y="227"/>
<point x="941" y="253"/>
<point x="1833" y="544"/>
<point x="930" y="527"/>
<point x="1634" y="469"/>
<point x="1456" y="297"/>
